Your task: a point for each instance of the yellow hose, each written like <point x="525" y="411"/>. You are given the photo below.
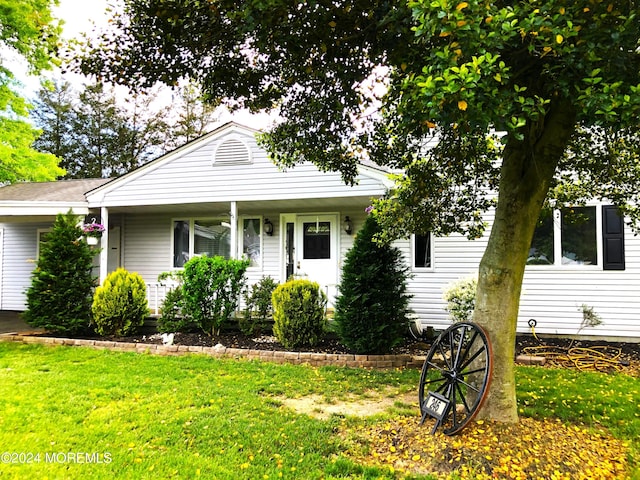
<point x="598" y="358"/>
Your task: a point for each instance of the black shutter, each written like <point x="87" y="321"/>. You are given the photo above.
<point x="612" y="238"/>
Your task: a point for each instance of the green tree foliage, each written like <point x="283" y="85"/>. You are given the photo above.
<point x="299" y="313"/>
<point x="28" y="33"/>
<point x="94" y="134"/>
<point x="211" y="290"/>
<point x="383" y="79"/>
<point x="120" y="303"/>
<point x="372" y="304"/>
<point x="59" y="298"/>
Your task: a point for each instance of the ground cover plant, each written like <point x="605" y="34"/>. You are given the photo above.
<point x="102" y="414"/>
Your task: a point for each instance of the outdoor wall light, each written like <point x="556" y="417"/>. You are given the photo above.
<point x="347" y="225"/>
<point x="268" y="227"/>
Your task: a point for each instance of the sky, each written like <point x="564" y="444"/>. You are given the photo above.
<point x="79" y="17"/>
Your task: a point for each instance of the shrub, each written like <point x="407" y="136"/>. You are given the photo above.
<point x="120" y="304"/>
<point x="298" y="313"/>
<point x="258" y="306"/>
<point x="173" y="317"/>
<point x="60" y="295"/>
<point x="371" y="310"/>
<point x="211" y="290"/>
<point x="461" y="299"/>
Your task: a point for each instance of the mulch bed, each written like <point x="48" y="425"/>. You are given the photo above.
<point x="619" y="356"/>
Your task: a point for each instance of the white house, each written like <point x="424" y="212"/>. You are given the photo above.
<point x="221" y="195"/>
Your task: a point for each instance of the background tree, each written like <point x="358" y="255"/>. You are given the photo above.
<point x="61" y="292"/>
<point x="99" y="131"/>
<point x="451" y="72"/>
<point x="28" y="33"/>
<point x="194" y="118"/>
<point x="372" y="307"/>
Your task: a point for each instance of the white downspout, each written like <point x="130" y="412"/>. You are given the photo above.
<point x="104" y="244"/>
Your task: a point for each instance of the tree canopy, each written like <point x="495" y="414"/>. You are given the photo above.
<point x="423" y="86"/>
<point x="97" y="131"/>
<point x="27" y="31"/>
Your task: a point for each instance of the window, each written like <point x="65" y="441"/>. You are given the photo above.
<point x="211" y="237"/>
<point x="422" y="251"/>
<point x="42" y="235"/>
<point x="316" y="240"/>
<point x="251" y="240"/>
<point x="570" y="237"/>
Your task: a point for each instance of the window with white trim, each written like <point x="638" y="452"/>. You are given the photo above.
<point x="570" y="236"/>
<point x="252" y="240"/>
<point x="421" y="251"/>
<point x="42" y="235"/>
<point x="191" y="237"/>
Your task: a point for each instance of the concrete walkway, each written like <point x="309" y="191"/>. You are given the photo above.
<point x="11" y="322"/>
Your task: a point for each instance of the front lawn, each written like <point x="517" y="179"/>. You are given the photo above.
<point x="83" y="413"/>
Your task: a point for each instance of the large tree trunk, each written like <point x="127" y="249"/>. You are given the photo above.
<point x="527" y="171"/>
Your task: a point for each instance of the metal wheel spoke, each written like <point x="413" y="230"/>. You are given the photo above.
<point x="473" y="357"/>
<point x="464" y="400"/>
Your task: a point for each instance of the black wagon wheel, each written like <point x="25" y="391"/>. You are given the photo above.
<point x="457" y="371"/>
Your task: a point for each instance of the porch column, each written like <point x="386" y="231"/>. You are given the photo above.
<point x="234" y="230"/>
<point x="104" y="244"/>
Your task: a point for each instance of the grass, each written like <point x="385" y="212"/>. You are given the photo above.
<point x="99" y="414"/>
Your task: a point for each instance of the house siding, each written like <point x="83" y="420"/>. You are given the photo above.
<point x="19" y="247"/>
<point x="552" y="295"/>
<point x="196" y="178"/>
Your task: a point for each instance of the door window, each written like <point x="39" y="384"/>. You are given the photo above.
<point x="316" y="240"/>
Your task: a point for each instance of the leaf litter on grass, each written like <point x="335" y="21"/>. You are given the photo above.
<point x="530" y="449"/>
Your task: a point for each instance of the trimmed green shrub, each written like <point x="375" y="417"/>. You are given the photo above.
<point x="258" y="306"/>
<point x="372" y="306"/>
<point x="212" y="288"/>
<point x="173" y="318"/>
<point x="299" y="313"/>
<point x="120" y="304"/>
<point x="61" y="291"/>
<point x="461" y="299"/>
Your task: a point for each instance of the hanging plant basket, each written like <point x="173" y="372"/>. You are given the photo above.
<point x="92" y="240"/>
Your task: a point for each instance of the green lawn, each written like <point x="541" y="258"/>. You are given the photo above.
<point x="83" y="413"/>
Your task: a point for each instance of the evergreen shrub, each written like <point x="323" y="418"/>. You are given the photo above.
<point x="61" y="291"/>
<point x="372" y="306"/>
<point x="258" y="306"/>
<point x="211" y="290"/>
<point x="120" y="304"/>
<point x="299" y="313"/>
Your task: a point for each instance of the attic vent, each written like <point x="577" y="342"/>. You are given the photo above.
<point x="232" y="151"/>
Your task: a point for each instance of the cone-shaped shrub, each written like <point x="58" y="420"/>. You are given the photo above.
<point x="59" y="298"/>
<point x="299" y="313"/>
<point x="372" y="304"/>
<point x="120" y="304"/>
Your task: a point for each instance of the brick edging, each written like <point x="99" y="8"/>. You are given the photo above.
<point x="220" y="351"/>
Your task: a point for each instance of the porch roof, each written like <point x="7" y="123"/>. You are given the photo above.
<point x="47" y="198"/>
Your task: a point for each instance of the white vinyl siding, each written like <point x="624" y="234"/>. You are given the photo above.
<point x="19" y="250"/>
<point x="552" y="295"/>
<point x="195" y="178"/>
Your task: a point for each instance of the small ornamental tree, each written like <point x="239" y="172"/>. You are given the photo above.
<point x="372" y="305"/>
<point x="211" y="290"/>
<point x="60" y="295"/>
<point x="120" y="303"/>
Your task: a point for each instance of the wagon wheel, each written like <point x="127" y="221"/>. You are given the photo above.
<point x="458" y="371"/>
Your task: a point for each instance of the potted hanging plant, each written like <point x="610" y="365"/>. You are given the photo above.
<point x="92" y="232"/>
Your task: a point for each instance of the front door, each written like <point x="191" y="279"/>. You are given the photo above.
<point x="316" y="251"/>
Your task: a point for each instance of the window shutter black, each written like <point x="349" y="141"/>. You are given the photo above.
<point x="612" y="238"/>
